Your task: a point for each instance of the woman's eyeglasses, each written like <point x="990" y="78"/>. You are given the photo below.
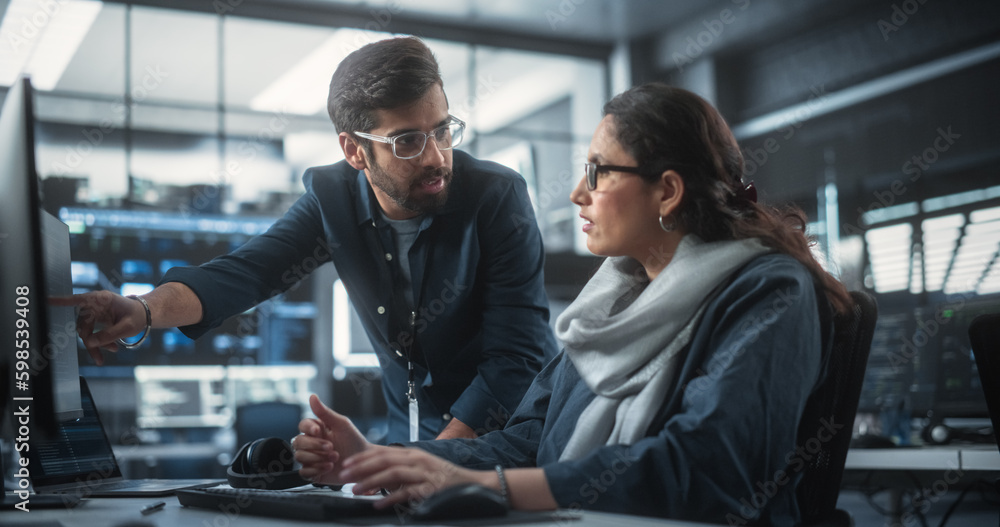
<point x="592" y="169"/>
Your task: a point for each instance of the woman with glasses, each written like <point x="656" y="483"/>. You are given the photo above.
<point x="688" y="356"/>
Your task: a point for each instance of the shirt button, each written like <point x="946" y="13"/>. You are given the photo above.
<point x="388" y="257"/>
<point x="446" y="417"/>
<point x="381" y="310"/>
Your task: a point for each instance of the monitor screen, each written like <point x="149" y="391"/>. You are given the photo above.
<point x="182" y="397"/>
<point x="921" y="361"/>
<point x="85" y="274"/>
<point x="892" y="377"/>
<point x="137" y="271"/>
<point x="260" y="384"/>
<point x="41" y="369"/>
<point x="958" y="389"/>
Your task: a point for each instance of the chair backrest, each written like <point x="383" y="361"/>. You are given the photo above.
<point x="828" y="420"/>
<point x="984" y="335"/>
<point x="270" y="419"/>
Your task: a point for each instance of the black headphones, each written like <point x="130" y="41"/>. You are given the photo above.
<point x="938" y="433"/>
<point x="267" y="463"/>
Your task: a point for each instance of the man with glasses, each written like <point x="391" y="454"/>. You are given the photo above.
<point x="431" y="244"/>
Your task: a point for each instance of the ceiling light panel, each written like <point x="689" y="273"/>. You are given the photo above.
<point x="889" y="251"/>
<point x="303" y="88"/>
<point x="42" y="38"/>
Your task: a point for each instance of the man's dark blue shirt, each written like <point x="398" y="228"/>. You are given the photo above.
<point x="480" y="331"/>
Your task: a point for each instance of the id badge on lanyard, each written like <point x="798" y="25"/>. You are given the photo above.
<point x="414" y="411"/>
<point x="411" y="391"/>
<point x="411" y="395"/>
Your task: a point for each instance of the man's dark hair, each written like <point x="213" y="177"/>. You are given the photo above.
<point x="382" y="75"/>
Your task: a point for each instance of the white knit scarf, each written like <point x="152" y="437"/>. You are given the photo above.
<point x="627" y="356"/>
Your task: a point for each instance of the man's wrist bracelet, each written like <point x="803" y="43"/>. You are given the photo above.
<point x="145" y="332"/>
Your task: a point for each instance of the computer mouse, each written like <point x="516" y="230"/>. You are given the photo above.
<point x="461" y="501"/>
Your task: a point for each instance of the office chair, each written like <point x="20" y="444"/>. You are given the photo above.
<point x="271" y="419"/>
<point x="835" y="401"/>
<point x="984" y="335"/>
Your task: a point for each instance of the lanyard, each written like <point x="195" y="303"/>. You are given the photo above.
<point x="411" y="383"/>
<point x="411" y="387"/>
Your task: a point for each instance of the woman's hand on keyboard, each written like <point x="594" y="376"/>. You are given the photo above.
<point x="410" y="474"/>
<point x="325" y="442"/>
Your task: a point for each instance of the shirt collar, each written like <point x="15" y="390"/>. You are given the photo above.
<point x="364" y="200"/>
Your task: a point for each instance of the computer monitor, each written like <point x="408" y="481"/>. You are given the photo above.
<point x="182" y="397"/>
<point x="958" y="389"/>
<point x="40" y="367"/>
<point x="250" y="384"/>
<point x="86" y="275"/>
<point x="921" y="365"/>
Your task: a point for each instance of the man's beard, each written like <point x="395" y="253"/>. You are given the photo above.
<point x="408" y="195"/>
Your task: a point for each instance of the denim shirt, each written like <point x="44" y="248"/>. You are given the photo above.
<point x="480" y="329"/>
<point x="722" y="448"/>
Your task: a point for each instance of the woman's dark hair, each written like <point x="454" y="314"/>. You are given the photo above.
<point x="382" y="75"/>
<point x="664" y="127"/>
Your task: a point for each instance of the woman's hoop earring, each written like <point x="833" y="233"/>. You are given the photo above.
<point x="668" y="228"/>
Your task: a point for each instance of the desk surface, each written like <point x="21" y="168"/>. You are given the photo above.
<point x="965" y="457"/>
<point x="109" y="512"/>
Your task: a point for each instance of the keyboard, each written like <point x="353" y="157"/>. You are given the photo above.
<point x="310" y="505"/>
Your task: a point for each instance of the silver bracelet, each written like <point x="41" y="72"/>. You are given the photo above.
<point x="504" y="493"/>
<point x="145" y="332"/>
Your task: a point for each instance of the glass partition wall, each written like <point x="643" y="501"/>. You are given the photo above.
<point x="154" y="102"/>
<point x="167" y="137"/>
